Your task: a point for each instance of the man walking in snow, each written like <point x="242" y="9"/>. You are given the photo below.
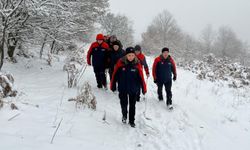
<point x="143" y="62"/>
<point x="98" y="51"/>
<point x="128" y="73"/>
<point x="163" y="68"/>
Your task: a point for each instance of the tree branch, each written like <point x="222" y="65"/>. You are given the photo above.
<point x="14" y="10"/>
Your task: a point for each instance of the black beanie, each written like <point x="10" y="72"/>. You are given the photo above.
<point x="130" y="50"/>
<point x="165" y="49"/>
<point x="116" y="43"/>
<point x="137" y="48"/>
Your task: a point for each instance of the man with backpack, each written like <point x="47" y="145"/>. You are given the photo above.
<point x="163" y="68"/>
<point x="129" y="76"/>
<point x="98" y="52"/>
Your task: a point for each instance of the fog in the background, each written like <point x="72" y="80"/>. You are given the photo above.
<point x="191" y="15"/>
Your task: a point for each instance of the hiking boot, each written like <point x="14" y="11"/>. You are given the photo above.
<point x="105" y="88"/>
<point x="160" y="98"/>
<point x="138" y="99"/>
<point x="99" y="86"/>
<point x="170" y="107"/>
<point x="132" y="124"/>
<point x="169" y="102"/>
<point x="124" y="120"/>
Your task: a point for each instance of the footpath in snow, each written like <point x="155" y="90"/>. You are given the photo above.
<point x="206" y="116"/>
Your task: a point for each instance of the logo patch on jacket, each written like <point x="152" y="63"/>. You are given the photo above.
<point x="133" y="70"/>
<point x="123" y="69"/>
<point x="103" y="49"/>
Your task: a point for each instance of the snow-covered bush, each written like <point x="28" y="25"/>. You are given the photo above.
<point x="6" y="89"/>
<point x="72" y="74"/>
<point x="85" y="97"/>
<point x="76" y="57"/>
<point x="72" y="46"/>
<point x="74" y="61"/>
<point x="215" y="69"/>
<point x="6" y="85"/>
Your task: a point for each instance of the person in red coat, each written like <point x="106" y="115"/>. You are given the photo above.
<point x="98" y="51"/>
<point x="129" y="76"/>
<point x="163" y="68"/>
<point x="143" y="62"/>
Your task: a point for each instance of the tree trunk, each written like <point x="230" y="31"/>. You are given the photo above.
<point x="11" y="50"/>
<point x="44" y="41"/>
<point x="11" y="45"/>
<point x="52" y="46"/>
<point x="1" y="53"/>
<point x="2" y="48"/>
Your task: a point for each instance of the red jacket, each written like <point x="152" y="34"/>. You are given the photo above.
<point x="163" y="69"/>
<point x="143" y="61"/>
<point x="98" y="53"/>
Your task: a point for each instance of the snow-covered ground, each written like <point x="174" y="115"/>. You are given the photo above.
<point x="206" y="116"/>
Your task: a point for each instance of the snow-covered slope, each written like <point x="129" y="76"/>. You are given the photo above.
<point x="206" y="116"/>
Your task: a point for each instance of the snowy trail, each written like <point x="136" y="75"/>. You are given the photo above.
<point x="206" y="116"/>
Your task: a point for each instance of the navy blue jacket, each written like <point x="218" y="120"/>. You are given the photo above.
<point x="115" y="56"/>
<point x="129" y="76"/>
<point x="98" y="53"/>
<point x="163" y="69"/>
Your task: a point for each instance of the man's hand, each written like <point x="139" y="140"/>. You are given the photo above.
<point x="155" y="81"/>
<point x="113" y="89"/>
<point x="174" y="78"/>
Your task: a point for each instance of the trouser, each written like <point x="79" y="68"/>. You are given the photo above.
<point x="111" y="70"/>
<point x="100" y="76"/>
<point x="167" y="86"/>
<point x="126" y="99"/>
<point x="138" y="96"/>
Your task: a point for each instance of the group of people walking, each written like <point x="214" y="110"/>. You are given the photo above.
<point x="125" y="69"/>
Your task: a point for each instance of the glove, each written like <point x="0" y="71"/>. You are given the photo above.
<point x="155" y="81"/>
<point x="113" y="89"/>
<point x="174" y="78"/>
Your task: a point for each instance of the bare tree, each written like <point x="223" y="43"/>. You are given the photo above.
<point x="227" y="43"/>
<point x="120" y="26"/>
<point x="12" y="18"/>
<point x="64" y="20"/>
<point x="245" y="54"/>
<point x="46" y="21"/>
<point x="207" y="38"/>
<point x="190" y="47"/>
<point x="162" y="32"/>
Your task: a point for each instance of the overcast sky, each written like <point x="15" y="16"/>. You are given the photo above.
<point x="191" y="15"/>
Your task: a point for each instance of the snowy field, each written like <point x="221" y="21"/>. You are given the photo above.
<point x="206" y="116"/>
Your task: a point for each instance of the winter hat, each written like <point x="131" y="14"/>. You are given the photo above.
<point x="165" y="49"/>
<point x="99" y="37"/>
<point x="130" y="50"/>
<point x="113" y="38"/>
<point x="137" y="48"/>
<point x="116" y="43"/>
